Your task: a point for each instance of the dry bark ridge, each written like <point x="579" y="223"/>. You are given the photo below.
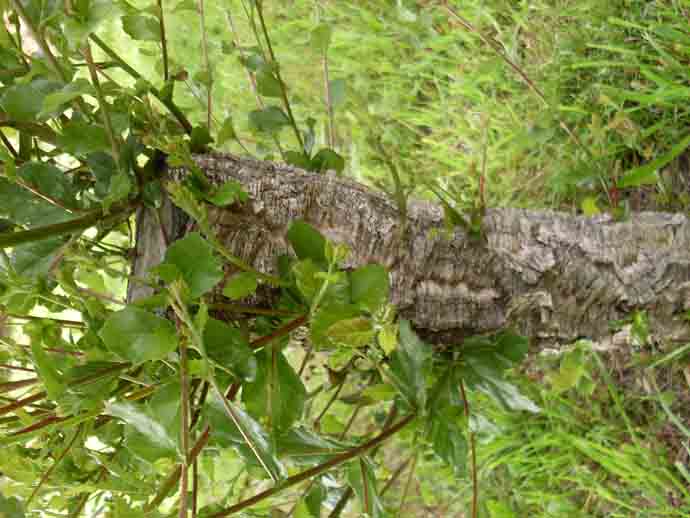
<point x="552" y="276"/>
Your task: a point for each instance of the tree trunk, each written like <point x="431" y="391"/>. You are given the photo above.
<point x="554" y="277"/>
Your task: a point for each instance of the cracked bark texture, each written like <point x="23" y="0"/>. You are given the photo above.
<point x="554" y="277"/>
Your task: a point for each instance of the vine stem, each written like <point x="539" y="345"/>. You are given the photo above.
<point x="283" y="88"/>
<point x="475" y="483"/>
<point x="11" y="239"/>
<point x="184" y="426"/>
<point x="317" y="470"/>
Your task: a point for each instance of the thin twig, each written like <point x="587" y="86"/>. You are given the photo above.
<point x="207" y="66"/>
<point x="48" y="472"/>
<point x="164" y="44"/>
<point x="281" y="331"/>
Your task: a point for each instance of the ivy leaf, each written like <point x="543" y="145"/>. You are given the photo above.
<point x="240" y="285"/>
<point x="227" y="434"/>
<point x="228" y="193"/>
<point x="138" y="336"/>
<point x="227" y="346"/>
<point x="81" y="138"/>
<point x="410" y="365"/>
<point x="193" y="257"/>
<point x="269" y="120"/>
<point x="325" y="160"/>
<point x="268" y="84"/>
<point x="277" y="391"/>
<point x="370" y="287"/>
<point x="143" y="28"/>
<point x="307" y="242"/>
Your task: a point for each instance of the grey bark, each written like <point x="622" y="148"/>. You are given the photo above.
<point x="552" y="276"/>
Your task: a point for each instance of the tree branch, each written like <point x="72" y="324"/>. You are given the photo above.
<point x="552" y="276"/>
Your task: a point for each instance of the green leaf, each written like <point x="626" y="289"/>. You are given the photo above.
<point x="82" y="138"/>
<point x="138" y="336"/>
<point x="446" y="425"/>
<point x="52" y="380"/>
<point x="11" y="507"/>
<point x="151" y="434"/>
<point x="647" y="173"/>
<point x="325" y="317"/>
<point x="20" y="206"/>
<point x="410" y="365"/>
<point x="143" y="28"/>
<point x="120" y="187"/>
<point x="306" y="447"/>
<point x="22" y="102"/>
<point x="370" y="287"/>
<point x="226" y="132"/>
<point x="199" y="139"/>
<point x="56" y="102"/>
<point x="240" y="285"/>
<point x="572" y="368"/>
<point x="277" y="392"/>
<point x="353" y="332"/>
<point x="193" y="257"/>
<point x="268" y="84"/>
<point x="50" y="180"/>
<point x="308" y="283"/>
<point x="227" y="434"/>
<point x="325" y="160"/>
<point x="321" y="38"/>
<point x="227" y="194"/>
<point x="269" y="120"/>
<point x="34" y="259"/>
<point x="511" y="346"/>
<point x="483" y="371"/>
<point x="589" y="206"/>
<point x="227" y="346"/>
<point x="103" y="167"/>
<point x="298" y="159"/>
<point x="307" y="242"/>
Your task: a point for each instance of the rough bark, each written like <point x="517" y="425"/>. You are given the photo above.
<point x="554" y="277"/>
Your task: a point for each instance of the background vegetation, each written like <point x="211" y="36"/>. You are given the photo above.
<point x="579" y="106"/>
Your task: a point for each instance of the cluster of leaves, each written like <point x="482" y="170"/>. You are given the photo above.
<point x="119" y="404"/>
